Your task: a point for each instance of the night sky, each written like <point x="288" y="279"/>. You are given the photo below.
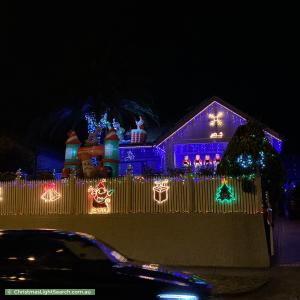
<point x="52" y="56"/>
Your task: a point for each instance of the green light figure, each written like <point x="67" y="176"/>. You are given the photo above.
<point x="225" y="193"/>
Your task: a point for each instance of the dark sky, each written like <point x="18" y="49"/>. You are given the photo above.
<point x="174" y="58"/>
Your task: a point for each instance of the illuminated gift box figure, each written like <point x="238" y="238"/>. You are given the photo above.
<point x="161" y="191"/>
<point x="99" y="198"/>
<point x="138" y="136"/>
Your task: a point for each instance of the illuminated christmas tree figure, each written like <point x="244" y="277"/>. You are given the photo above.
<point x="225" y="193"/>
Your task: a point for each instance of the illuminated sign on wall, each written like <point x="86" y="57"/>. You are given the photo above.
<point x="50" y="194"/>
<point x="225" y="193"/>
<point x="216" y="135"/>
<point x="161" y="191"/>
<point x="216" y="120"/>
<point x="100" y="198"/>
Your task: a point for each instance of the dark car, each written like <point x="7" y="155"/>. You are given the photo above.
<point x="56" y="259"/>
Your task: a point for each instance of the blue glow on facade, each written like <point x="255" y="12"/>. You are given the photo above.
<point x="197" y="136"/>
<point x="141" y="159"/>
<point x="275" y="142"/>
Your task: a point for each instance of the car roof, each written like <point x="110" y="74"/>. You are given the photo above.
<point x="54" y="233"/>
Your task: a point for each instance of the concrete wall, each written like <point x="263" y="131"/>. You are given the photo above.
<point x="231" y="240"/>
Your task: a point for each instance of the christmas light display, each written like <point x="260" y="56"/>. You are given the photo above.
<point x="140" y="156"/>
<point x="181" y="150"/>
<point x="245" y="161"/>
<point x="120" y="131"/>
<point x="91" y="121"/>
<point x="111" y="152"/>
<point x="161" y="191"/>
<point x="262" y="160"/>
<point x="197" y="162"/>
<point x="130" y="156"/>
<point x="139" y="179"/>
<point x="216" y="120"/>
<point x="138" y="135"/>
<point x="103" y="123"/>
<point x="19" y="174"/>
<point x="225" y="193"/>
<point x="186" y="162"/>
<point x="50" y="194"/>
<point x="216" y="135"/>
<point x="1" y="193"/>
<point x="100" y="198"/>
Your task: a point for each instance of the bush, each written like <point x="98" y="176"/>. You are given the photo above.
<point x="7" y="176"/>
<point x="14" y="155"/>
<point x="44" y="176"/>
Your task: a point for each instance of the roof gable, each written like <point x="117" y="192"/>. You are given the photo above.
<point x="206" y="106"/>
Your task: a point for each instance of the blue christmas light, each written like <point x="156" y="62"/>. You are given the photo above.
<point x="245" y="161"/>
<point x="91" y="121"/>
<point x="262" y="160"/>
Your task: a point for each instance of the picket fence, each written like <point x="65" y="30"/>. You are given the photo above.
<point x="130" y="195"/>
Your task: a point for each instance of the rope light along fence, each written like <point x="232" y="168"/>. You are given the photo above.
<point x="130" y="195"/>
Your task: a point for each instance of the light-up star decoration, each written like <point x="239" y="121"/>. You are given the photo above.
<point x="50" y="194"/>
<point x="216" y="120"/>
<point x="100" y="198"/>
<point x="161" y="191"/>
<point x="225" y="193"/>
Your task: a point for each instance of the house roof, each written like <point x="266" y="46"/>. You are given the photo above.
<point x="202" y="106"/>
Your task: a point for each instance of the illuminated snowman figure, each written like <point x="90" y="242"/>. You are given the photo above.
<point x="100" y="198"/>
<point x="161" y="191"/>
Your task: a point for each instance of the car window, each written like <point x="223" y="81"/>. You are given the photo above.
<point x="49" y="252"/>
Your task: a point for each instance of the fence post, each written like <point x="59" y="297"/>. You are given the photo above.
<point x="128" y="186"/>
<point x="191" y="193"/>
<point x="72" y="187"/>
<point x="258" y="192"/>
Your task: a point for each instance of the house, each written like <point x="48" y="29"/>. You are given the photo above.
<point x="203" y="134"/>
